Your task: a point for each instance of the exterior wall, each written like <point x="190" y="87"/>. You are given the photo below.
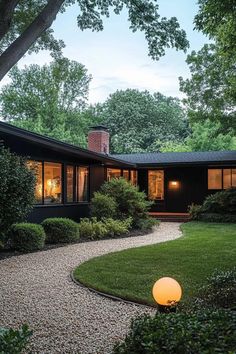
<point x="192" y="187"/>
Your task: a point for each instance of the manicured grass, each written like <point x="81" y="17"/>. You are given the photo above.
<point x="130" y="274"/>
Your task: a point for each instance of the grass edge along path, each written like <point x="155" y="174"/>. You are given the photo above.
<point x="130" y="274"/>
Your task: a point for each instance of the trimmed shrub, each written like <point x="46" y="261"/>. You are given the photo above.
<point x="92" y="229"/>
<point x="181" y="333"/>
<point x="60" y="230"/>
<point x="194" y="211"/>
<point x="223" y="202"/>
<point x="117" y="227"/>
<point x="14" y="341"/>
<point x="17" y="184"/>
<point x="27" y="237"/>
<point x="213" y="217"/>
<point x="130" y="201"/>
<point x="103" y="206"/>
<point x="219" y="291"/>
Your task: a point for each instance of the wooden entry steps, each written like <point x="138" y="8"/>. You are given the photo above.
<point x="165" y="216"/>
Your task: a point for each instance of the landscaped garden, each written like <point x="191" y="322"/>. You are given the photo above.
<point x="130" y="274"/>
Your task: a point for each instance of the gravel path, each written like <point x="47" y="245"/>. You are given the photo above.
<point x="37" y="289"/>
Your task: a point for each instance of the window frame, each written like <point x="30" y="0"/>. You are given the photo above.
<point x="163" y="184"/>
<point x="222" y="178"/>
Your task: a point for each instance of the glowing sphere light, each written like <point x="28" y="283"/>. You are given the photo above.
<point x="167" y="291"/>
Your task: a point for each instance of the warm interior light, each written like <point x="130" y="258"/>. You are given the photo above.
<point x="167" y="291"/>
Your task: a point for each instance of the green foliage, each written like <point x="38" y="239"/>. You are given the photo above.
<point x="17" y="185"/>
<point x="50" y="100"/>
<point x="194" y="211"/>
<point x="207" y="136"/>
<point x="131" y="202"/>
<point x="216" y="18"/>
<point x="219" y="291"/>
<point x="60" y="230"/>
<point x="92" y="229"/>
<point x="27" y="237"/>
<point x="181" y="333"/>
<point x="139" y="121"/>
<point x="214" y="217"/>
<point x="14" y="341"/>
<point x="221" y="202"/>
<point x="117" y="227"/>
<point x="211" y="89"/>
<point x="147" y="223"/>
<point x="103" y="206"/>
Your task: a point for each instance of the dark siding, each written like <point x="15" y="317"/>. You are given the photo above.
<point x="74" y="212"/>
<point x="97" y="177"/>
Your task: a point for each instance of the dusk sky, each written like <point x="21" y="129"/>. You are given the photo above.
<point x="118" y="59"/>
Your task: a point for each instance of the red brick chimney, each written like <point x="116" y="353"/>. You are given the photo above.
<point x="98" y="139"/>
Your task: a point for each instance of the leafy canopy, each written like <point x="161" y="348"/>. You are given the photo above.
<point x="51" y="100"/>
<point x="136" y="120"/>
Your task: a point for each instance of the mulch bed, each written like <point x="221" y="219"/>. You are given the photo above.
<point x="11" y="253"/>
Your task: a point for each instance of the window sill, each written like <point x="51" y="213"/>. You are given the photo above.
<point x="60" y="205"/>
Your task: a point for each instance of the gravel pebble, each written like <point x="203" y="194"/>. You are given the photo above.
<point x="37" y="289"/>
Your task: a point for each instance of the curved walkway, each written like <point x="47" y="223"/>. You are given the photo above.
<point x="37" y="289"/>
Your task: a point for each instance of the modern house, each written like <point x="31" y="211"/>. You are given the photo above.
<point x="67" y="176"/>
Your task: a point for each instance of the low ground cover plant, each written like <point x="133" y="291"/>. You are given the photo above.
<point x="60" y="230"/>
<point x="123" y="200"/>
<point x="218" y="207"/>
<point x="14" y="341"/>
<point x="94" y="229"/>
<point x="181" y="333"/>
<point x="26" y="237"/>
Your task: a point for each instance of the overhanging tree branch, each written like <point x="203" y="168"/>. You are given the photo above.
<point x="20" y="46"/>
<point x="7" y="8"/>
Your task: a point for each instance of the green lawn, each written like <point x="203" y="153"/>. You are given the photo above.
<point x="130" y="274"/>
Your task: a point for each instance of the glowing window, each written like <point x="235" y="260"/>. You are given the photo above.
<point x="156" y="184"/>
<point x="52" y="183"/>
<point x="113" y="173"/>
<point x="134" y="177"/>
<point x="82" y="184"/>
<point x="37" y="168"/>
<point x="69" y="184"/>
<point x="215" y="179"/>
<point x="126" y="174"/>
<point x="226" y="178"/>
<point x="233" y="177"/>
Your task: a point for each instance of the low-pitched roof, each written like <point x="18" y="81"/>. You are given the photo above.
<point x="61" y="146"/>
<point x="178" y="158"/>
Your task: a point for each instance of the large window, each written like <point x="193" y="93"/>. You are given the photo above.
<point x="219" y="178"/>
<point x="134" y="177"/>
<point x="38" y="170"/>
<point x="113" y="173"/>
<point x="126" y="174"/>
<point x="82" y="184"/>
<point x="69" y="184"/>
<point x="156" y="184"/>
<point x="52" y="183"/>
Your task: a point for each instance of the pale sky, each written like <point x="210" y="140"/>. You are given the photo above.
<point x="118" y="59"/>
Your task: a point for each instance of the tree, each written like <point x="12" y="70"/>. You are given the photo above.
<point x="207" y="136"/>
<point x="137" y="119"/>
<point x="211" y="90"/>
<point x="51" y="100"/>
<point x="17" y="185"/>
<point x="25" y="25"/>
<point x="217" y="19"/>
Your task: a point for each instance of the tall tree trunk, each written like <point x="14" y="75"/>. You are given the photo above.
<point x="20" y="46"/>
<point x="7" y="8"/>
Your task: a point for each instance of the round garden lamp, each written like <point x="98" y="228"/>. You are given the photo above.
<point x="167" y="293"/>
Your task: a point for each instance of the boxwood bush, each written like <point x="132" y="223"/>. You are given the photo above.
<point x="27" y="237"/>
<point x="181" y="333"/>
<point x="103" y="206"/>
<point x="60" y="230"/>
<point x="117" y="227"/>
<point x="14" y="341"/>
